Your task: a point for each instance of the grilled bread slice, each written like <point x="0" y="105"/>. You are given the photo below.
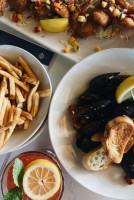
<point x="116" y="136"/>
<point x="129" y="144"/>
<point x="96" y="160"/>
<point x="2" y="6"/>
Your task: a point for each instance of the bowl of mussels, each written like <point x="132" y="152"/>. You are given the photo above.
<point x="91" y="123"/>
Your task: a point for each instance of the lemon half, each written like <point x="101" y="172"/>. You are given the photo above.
<point x="41" y="179"/>
<point x="123" y="91"/>
<point x="54" y="25"/>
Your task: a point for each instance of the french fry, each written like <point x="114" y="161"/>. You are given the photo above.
<point x="26" y="115"/>
<point x="6" y="116"/>
<point x="22" y="92"/>
<point x="3" y="110"/>
<point x="19" y="126"/>
<point x="2" y="137"/>
<point x="26" y="124"/>
<point x="21" y="84"/>
<point x="8" y="68"/>
<point x="35" y="105"/>
<point x="17" y="113"/>
<point x="30" y="97"/>
<point x="19" y="96"/>
<point x="16" y="64"/>
<point x="7" y="92"/>
<point x="3" y="90"/>
<point x="23" y="118"/>
<point x="12" y="88"/>
<point x="21" y="68"/>
<point x="11" y="113"/>
<point x="44" y="93"/>
<point x="20" y="105"/>
<point x="26" y="67"/>
<point x="20" y="121"/>
<point x="8" y="125"/>
<point x="3" y="133"/>
<point x="17" y="71"/>
<point x="29" y="80"/>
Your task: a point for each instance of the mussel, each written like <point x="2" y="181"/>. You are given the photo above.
<point x="92" y="110"/>
<point x="86" y="144"/>
<point x="124" y="108"/>
<point x="88" y="97"/>
<point x="93" y="127"/>
<point x="107" y="82"/>
<point x="84" y="141"/>
<point x="128" y="163"/>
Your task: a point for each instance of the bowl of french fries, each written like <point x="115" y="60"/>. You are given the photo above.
<point x="25" y="94"/>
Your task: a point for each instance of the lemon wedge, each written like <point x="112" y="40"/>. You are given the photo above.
<point x="41" y="179"/>
<point x="123" y="91"/>
<point x="54" y="25"/>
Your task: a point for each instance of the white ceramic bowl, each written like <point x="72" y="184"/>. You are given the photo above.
<point x="20" y="137"/>
<point x="109" y="182"/>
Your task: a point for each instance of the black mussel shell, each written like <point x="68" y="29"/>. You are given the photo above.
<point x="92" y="109"/>
<point x="128" y="163"/>
<point x="86" y="144"/>
<point x="108" y="81"/>
<point x="93" y="127"/>
<point x="124" y="108"/>
<point x="88" y="97"/>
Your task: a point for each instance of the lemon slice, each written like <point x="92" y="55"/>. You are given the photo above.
<point x="123" y="91"/>
<point x="41" y="179"/>
<point x="54" y="25"/>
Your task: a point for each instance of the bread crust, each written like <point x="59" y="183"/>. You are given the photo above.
<point x="129" y="144"/>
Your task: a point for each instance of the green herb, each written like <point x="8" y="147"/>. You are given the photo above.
<point x="18" y="172"/>
<point x="14" y="194"/>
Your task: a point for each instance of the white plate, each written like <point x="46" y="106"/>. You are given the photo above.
<point x="51" y="40"/>
<point x="20" y="136"/>
<point x="109" y="182"/>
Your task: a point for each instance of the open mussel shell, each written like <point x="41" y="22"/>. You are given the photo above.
<point x="107" y="82"/>
<point x="84" y="141"/>
<point x="93" y="127"/>
<point x="128" y="163"/>
<point x="88" y="97"/>
<point x="86" y="144"/>
<point x="124" y="108"/>
<point x="92" y="109"/>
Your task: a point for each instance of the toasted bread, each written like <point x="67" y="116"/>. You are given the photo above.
<point x="129" y="144"/>
<point x="116" y="136"/>
<point x="96" y="160"/>
<point x="2" y="6"/>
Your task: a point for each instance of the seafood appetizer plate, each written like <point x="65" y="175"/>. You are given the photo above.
<point x="109" y="182"/>
<point x="52" y="40"/>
